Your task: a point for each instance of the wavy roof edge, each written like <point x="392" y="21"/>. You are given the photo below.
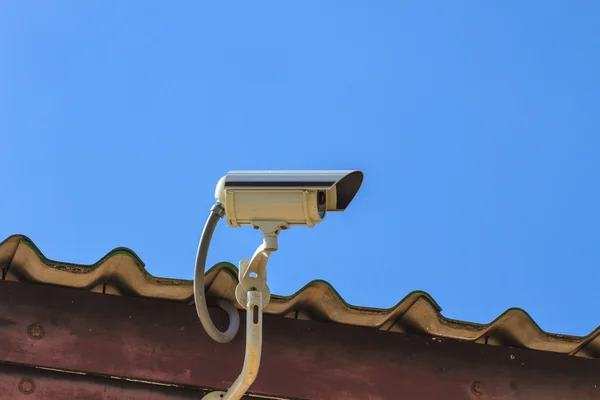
<point x="122" y="272"/>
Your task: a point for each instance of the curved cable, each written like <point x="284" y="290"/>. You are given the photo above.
<point x="216" y="213"/>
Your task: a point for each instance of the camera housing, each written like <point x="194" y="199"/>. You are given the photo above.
<point x="289" y="197"/>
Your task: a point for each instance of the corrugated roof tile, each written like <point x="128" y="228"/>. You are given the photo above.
<point x="122" y="272"/>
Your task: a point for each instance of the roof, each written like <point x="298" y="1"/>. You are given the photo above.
<point x="122" y="272"/>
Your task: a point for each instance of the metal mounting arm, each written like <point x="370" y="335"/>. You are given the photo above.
<point x="253" y="294"/>
<point x="254" y="315"/>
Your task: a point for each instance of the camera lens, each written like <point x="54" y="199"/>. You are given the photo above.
<point x="321" y="198"/>
<point x="321" y="203"/>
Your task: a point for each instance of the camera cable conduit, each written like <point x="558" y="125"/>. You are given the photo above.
<point x="252" y="293"/>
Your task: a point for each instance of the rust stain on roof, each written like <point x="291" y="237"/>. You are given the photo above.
<point x="122" y="272"/>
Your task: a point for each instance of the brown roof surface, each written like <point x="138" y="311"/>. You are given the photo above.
<point x="122" y="272"/>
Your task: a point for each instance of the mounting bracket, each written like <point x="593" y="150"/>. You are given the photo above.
<point x="252" y="292"/>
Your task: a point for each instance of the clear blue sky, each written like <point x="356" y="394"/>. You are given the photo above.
<point x="477" y="125"/>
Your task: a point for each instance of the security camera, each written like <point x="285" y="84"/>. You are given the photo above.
<point x="270" y="201"/>
<point x="291" y="197"/>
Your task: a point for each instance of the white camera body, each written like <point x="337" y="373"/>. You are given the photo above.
<point x="285" y="197"/>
